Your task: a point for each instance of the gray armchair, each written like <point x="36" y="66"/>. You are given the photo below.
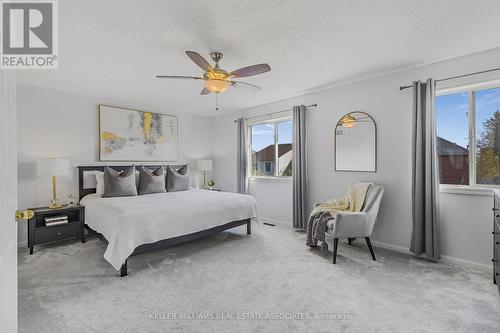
<point x="352" y="225"/>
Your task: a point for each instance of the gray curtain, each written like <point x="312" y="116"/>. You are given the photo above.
<point x="425" y="173"/>
<point x="242" y="163"/>
<point x="299" y="172"/>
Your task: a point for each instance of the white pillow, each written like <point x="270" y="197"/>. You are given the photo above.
<point x="99" y="177"/>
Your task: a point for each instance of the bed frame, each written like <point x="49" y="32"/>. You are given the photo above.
<point x="83" y="191"/>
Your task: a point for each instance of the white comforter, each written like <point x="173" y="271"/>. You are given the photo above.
<point x="128" y="222"/>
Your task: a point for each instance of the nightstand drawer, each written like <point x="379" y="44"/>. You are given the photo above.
<point x="60" y="232"/>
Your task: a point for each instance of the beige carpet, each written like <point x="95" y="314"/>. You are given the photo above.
<point x="267" y="282"/>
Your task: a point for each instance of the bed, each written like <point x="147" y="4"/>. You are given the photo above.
<point x="134" y="225"/>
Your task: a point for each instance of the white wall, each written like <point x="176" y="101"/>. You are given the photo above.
<point x="274" y="197"/>
<point x="466" y="226"/>
<point x="466" y="219"/>
<point x="63" y="124"/>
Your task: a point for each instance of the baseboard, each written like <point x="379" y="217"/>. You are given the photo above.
<point x="392" y="247"/>
<point x="273" y="221"/>
<point x="468" y="263"/>
<point x="444" y="258"/>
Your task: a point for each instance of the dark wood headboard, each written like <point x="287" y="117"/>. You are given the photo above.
<point x="81" y="169"/>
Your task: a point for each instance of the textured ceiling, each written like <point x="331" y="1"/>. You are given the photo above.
<point x="114" y="48"/>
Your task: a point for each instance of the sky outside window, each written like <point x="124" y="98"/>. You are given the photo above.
<point x="262" y="136"/>
<point x="451" y="118"/>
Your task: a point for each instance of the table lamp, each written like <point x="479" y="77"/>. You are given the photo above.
<point x="204" y="165"/>
<point x="53" y="167"/>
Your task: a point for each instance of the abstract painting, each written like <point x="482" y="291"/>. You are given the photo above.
<point x="131" y="135"/>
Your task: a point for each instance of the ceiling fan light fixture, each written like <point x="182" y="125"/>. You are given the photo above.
<point x="216" y="85"/>
<point x="217" y="81"/>
<point x="348" y="121"/>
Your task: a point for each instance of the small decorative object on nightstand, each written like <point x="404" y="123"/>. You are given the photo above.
<point x="71" y="200"/>
<point x="55" y="224"/>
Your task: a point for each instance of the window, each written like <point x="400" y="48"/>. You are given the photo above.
<point x="453" y="138"/>
<point x="271" y="148"/>
<point x="468" y="130"/>
<point x="487" y="147"/>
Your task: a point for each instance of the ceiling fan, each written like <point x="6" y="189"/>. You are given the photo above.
<point x="218" y="80"/>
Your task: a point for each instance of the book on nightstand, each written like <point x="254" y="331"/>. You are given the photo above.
<point x="56" y="220"/>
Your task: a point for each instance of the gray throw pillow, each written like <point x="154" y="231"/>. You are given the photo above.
<point x="151" y="181"/>
<point x="177" y="180"/>
<point x="119" y="184"/>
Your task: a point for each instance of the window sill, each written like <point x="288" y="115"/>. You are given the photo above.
<point x="467" y="190"/>
<point x="269" y="178"/>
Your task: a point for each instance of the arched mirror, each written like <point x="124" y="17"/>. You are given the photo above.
<point x="355" y="143"/>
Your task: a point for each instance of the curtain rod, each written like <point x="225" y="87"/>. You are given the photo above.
<point x="287" y="110"/>
<point x="456" y="77"/>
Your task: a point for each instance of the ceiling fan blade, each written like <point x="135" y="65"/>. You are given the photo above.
<point x="205" y="91"/>
<point x="245" y="86"/>
<point x="199" y="60"/>
<point x="179" y="77"/>
<point x="251" y="70"/>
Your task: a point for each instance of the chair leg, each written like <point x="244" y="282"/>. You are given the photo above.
<point x="335" y="244"/>
<point x="123" y="269"/>
<point x="350" y="240"/>
<point x="370" y="247"/>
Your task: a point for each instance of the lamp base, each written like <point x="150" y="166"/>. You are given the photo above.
<point x="54" y="204"/>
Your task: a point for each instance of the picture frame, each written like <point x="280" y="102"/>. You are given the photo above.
<point x="134" y="135"/>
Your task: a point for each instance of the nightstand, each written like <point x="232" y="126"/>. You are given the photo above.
<point x="39" y="233"/>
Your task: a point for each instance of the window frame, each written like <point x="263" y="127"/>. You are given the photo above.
<point x="470" y="89"/>
<point x="270" y="119"/>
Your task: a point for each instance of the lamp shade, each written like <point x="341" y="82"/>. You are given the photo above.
<point x="204" y="165"/>
<point x="52" y="167"/>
